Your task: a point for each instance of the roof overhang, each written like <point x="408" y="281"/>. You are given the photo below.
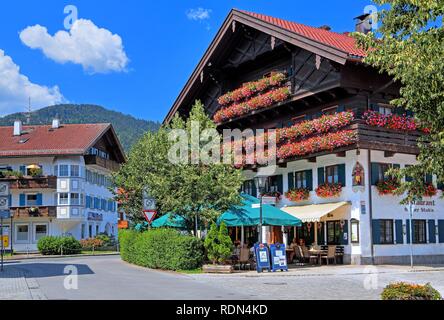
<point x="234" y="16"/>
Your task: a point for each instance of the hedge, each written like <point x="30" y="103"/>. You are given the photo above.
<point x="163" y="249"/>
<point x="50" y="245"/>
<point x="406" y="291"/>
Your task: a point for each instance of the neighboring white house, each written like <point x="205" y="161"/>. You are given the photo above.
<point x="63" y="188"/>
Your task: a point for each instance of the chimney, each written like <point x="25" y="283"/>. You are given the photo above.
<point x="364" y="23"/>
<point x="17" y="128"/>
<point x="325" y="27"/>
<point x="55" y="123"/>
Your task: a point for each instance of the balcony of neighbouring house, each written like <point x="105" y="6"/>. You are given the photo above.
<point x="95" y="160"/>
<point x="29" y="182"/>
<point x="34" y="212"/>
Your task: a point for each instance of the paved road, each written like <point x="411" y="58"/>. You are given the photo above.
<point x="110" y="278"/>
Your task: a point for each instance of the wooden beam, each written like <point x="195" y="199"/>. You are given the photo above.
<point x="282" y="164"/>
<point x="340" y="154"/>
<point x="388" y="154"/>
<point x="312" y="160"/>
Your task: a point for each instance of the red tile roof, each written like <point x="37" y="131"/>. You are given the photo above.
<point x="69" y="139"/>
<point x="340" y="41"/>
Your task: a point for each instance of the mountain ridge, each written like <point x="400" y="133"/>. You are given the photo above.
<point x="128" y="128"/>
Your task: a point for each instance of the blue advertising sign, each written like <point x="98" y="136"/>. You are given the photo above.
<point x="5" y="214"/>
<point x="278" y="257"/>
<point x="262" y="257"/>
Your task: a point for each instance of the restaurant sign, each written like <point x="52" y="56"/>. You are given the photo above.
<point x="423" y="206"/>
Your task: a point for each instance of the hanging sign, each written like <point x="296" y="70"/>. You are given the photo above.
<point x="149" y="215"/>
<point x="269" y="200"/>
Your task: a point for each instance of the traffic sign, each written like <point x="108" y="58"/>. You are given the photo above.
<point x="149" y="215"/>
<point x="5" y="214"/>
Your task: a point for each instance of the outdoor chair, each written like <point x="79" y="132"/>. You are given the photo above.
<point x="299" y="255"/>
<point x="306" y="253"/>
<point x="331" y="254"/>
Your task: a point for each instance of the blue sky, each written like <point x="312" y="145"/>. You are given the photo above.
<point x="144" y="56"/>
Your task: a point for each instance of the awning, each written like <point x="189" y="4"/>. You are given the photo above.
<point x="314" y="212"/>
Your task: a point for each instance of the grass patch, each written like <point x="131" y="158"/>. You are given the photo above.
<point x="193" y="271"/>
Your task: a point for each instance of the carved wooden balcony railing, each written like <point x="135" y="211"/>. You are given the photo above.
<point x="44" y="182"/>
<point x="104" y="163"/>
<point x="38" y="211"/>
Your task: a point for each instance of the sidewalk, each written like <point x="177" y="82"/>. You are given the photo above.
<point x="14" y="285"/>
<point x="332" y="270"/>
<point x="34" y="256"/>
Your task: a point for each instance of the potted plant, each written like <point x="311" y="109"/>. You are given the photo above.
<point x="298" y="194"/>
<point x="329" y="190"/>
<point x="219" y="248"/>
<point x="33" y="211"/>
<point x="407" y="291"/>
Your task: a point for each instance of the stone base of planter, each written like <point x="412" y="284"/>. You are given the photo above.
<point x="213" y="268"/>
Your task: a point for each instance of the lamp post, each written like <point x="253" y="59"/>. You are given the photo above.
<point x="411" y="208"/>
<point x="260" y="185"/>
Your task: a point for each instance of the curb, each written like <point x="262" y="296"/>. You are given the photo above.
<point x="61" y="257"/>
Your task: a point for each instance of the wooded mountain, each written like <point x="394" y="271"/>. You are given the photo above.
<point x="128" y="128"/>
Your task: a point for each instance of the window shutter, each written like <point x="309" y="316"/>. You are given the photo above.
<point x="341" y="173"/>
<point x="428" y="178"/>
<point x="341" y="108"/>
<point x="374" y="107"/>
<point x="56" y="170"/>
<point x="10" y="200"/>
<point x="39" y="199"/>
<point x="441" y="185"/>
<point x="432" y="236"/>
<point x="441" y="231"/>
<point x="88" y="201"/>
<point x="280" y="183"/>
<point x="253" y="188"/>
<point x="309" y="175"/>
<point x="290" y="180"/>
<point x="321" y="176"/>
<point x="22" y="200"/>
<point x="321" y="234"/>
<point x="396" y="166"/>
<point x="376" y="231"/>
<point x="408" y="178"/>
<point x="399" y="233"/>
<point x="375" y="173"/>
<point x="345" y="231"/>
<point x="407" y="226"/>
<point x="23" y="170"/>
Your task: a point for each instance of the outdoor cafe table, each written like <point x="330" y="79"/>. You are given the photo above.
<point x="319" y="253"/>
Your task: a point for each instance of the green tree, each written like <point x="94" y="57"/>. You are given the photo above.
<point x="197" y="190"/>
<point x="409" y="46"/>
<point x="218" y="243"/>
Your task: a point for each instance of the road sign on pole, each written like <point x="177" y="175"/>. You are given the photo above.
<point x="149" y="215"/>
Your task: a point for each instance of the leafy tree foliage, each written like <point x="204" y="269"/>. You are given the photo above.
<point x="197" y="191"/>
<point x="218" y="243"/>
<point x="409" y="46"/>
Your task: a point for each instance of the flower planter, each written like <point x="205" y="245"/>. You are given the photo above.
<point x="298" y="194"/>
<point x="329" y="190"/>
<point x="387" y="187"/>
<point x="215" y="268"/>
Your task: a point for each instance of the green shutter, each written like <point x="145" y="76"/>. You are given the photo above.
<point x="341" y="108"/>
<point x="39" y="199"/>
<point x="341" y="174"/>
<point x="376" y="231"/>
<point x="253" y="187"/>
<point x="399" y="232"/>
<point x="428" y="178"/>
<point x="290" y="180"/>
<point x="10" y="200"/>
<point x="22" y="200"/>
<point x="375" y="173"/>
<point x="432" y="236"/>
<point x="441" y="231"/>
<point x="408" y="178"/>
<point x="23" y="170"/>
<point x="407" y="226"/>
<point x="441" y="185"/>
<point x="345" y="231"/>
<point x="321" y="176"/>
<point x="321" y="231"/>
<point x="309" y="175"/>
<point x="280" y="183"/>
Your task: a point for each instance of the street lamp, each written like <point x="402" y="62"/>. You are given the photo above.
<point x="260" y="182"/>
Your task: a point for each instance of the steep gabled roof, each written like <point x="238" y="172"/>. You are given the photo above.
<point x="42" y="140"/>
<point x="331" y="45"/>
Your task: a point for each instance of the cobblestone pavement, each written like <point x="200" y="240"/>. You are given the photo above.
<point x="108" y="277"/>
<point x="14" y="285"/>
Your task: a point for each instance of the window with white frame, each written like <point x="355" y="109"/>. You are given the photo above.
<point x="300" y="179"/>
<point x="332" y="174"/>
<point x="31" y="200"/>
<point x="75" y="199"/>
<point x="63" y="170"/>
<point x="63" y="198"/>
<point x="40" y="230"/>
<point x="22" y="233"/>
<point x="75" y="171"/>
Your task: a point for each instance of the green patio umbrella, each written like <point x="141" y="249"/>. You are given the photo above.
<point x="168" y="220"/>
<point x="247" y="215"/>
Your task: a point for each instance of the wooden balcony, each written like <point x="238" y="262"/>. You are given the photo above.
<point x="93" y="160"/>
<point x="44" y="182"/>
<point x="42" y="212"/>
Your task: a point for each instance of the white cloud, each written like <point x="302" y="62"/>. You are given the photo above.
<point x="198" y="14"/>
<point x="96" y="49"/>
<point x="16" y="89"/>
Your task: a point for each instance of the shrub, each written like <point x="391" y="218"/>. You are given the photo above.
<point x="51" y="245"/>
<point x="91" y="243"/>
<point x="163" y="249"/>
<point x="218" y="243"/>
<point x="406" y="291"/>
